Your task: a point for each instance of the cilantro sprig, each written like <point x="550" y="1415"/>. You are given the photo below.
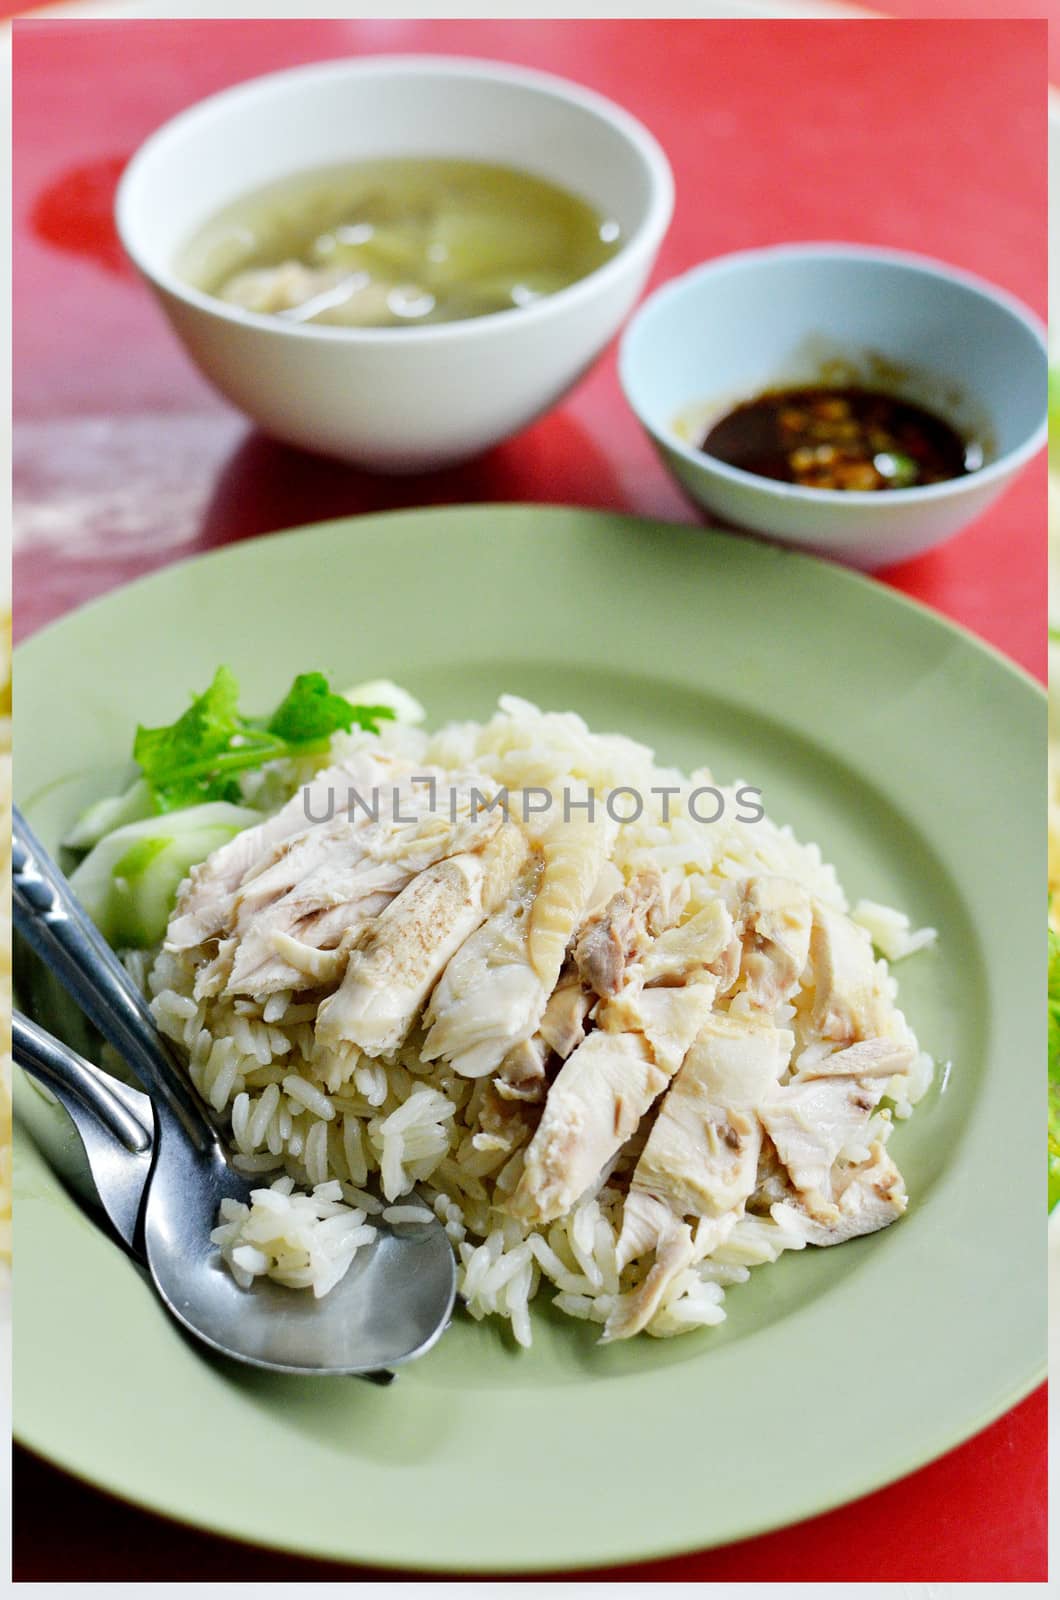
<point x="200" y="756"/>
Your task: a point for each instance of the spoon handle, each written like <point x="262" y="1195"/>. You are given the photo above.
<point x="48" y="915"/>
<point x="114" y="1123"/>
<point x="69" y="1075"/>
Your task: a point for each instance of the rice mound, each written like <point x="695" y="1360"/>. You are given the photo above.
<point x="356" y="1135"/>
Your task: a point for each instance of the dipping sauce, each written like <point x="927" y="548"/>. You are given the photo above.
<point x="841" y="438"/>
<point x="397" y="243"/>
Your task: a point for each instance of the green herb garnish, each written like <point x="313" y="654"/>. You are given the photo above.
<point x="197" y="758"/>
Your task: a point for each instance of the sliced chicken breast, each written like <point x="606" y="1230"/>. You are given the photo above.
<point x="669" y="1018"/>
<point x="321" y="890"/>
<point x="775" y="917"/>
<point x="205" y="907"/>
<point x="495" y="992"/>
<point x="689" y="950"/>
<point x="869" y="1058"/>
<point x="563" y="1023"/>
<point x="847" y="1004"/>
<point x="397" y="962"/>
<point x="594" y="1105"/>
<point x="810" y="1121"/>
<point x="575" y="852"/>
<point x="615" y="937"/>
<point x="652" y="1221"/>
<point x="328" y="884"/>
<point x="868" y="1197"/>
<point x="522" y="1074"/>
<point x="489" y="998"/>
<point x="701" y="1158"/>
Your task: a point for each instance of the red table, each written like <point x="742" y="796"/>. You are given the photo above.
<point x="927" y="136"/>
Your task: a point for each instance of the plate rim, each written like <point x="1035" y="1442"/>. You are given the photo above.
<point x="754" y="1528"/>
<point x="863" y="582"/>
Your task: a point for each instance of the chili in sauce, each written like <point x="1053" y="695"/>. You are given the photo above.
<point x="840" y="438"/>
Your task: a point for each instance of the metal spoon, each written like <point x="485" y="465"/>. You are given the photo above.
<point x="114" y="1123"/>
<point x="105" y="1157"/>
<point x="393" y="1303"/>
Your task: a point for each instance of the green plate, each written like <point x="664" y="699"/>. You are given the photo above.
<point x="914" y="755"/>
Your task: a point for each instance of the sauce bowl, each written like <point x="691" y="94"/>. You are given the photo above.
<point x="812" y="313"/>
<point x="396" y="399"/>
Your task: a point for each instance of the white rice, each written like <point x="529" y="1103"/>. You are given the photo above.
<point x="891" y="931"/>
<point x="349" y="1129"/>
<point x="407" y="1214"/>
<point x="306" y="1241"/>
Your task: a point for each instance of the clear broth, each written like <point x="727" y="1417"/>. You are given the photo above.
<point x="398" y="243"/>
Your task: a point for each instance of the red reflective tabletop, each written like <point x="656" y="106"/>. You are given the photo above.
<point x="924" y="136"/>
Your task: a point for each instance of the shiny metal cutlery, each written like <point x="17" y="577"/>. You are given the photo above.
<point x="393" y="1303"/>
<point x="114" y="1122"/>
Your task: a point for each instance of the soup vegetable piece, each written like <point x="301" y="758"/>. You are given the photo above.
<point x="840" y="438"/>
<point x="398" y="243"/>
<point x="623" y="1061"/>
